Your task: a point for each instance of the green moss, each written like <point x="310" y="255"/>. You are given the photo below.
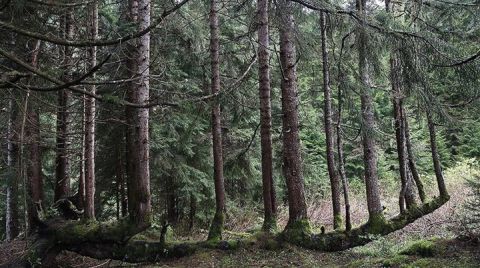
<point x="337" y="221"/>
<point x="270" y="225"/>
<point x="297" y="232"/>
<point x="377" y="224"/>
<point x="424" y="248"/>
<point x="394" y="261"/>
<point x="421" y="263"/>
<point x="216" y="228"/>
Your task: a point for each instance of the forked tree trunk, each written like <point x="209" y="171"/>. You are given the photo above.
<point x="269" y="200"/>
<point x="406" y="196"/>
<point x="329" y="135"/>
<point x="216" y="227"/>
<point x="90" y="119"/>
<point x="292" y="159"/>
<point x="62" y="183"/>
<point x="139" y="199"/>
<point x="435" y="158"/>
<point x="368" y="122"/>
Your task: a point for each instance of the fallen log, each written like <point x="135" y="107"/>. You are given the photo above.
<point x="114" y="240"/>
<point x="342" y="240"/>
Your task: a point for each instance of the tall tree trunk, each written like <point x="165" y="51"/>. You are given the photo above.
<point x="269" y="200"/>
<point x="90" y="120"/>
<point x="329" y="135"/>
<point x="368" y="122"/>
<point x="62" y="184"/>
<point x="292" y="159"/>
<point x="435" y="158"/>
<point x="216" y="227"/>
<point x="34" y="160"/>
<point x="341" y="163"/>
<point x="406" y="196"/>
<point x="411" y="161"/>
<point x="81" y="176"/>
<point x="11" y="218"/>
<point x="139" y="199"/>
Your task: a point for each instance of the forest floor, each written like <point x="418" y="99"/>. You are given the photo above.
<point x="431" y="241"/>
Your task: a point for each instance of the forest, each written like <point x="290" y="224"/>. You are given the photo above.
<point x="240" y="133"/>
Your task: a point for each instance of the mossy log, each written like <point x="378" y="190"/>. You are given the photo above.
<point x="338" y="240"/>
<point x="114" y="240"/>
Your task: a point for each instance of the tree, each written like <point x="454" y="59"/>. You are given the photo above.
<point x="62" y="184"/>
<point x="90" y="119"/>
<point x="12" y="227"/>
<point x="216" y="226"/>
<point x="269" y="200"/>
<point x="375" y="209"/>
<point x="292" y="159"/>
<point x="329" y="132"/>
<point x="34" y="160"/>
<point x="138" y="168"/>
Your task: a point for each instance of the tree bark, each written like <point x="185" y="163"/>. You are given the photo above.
<point x="368" y="121"/>
<point x="11" y="218"/>
<point x="139" y="199"/>
<point x="62" y="184"/>
<point x="329" y="135"/>
<point x="411" y="161"/>
<point x="269" y="200"/>
<point x="292" y="159"/>
<point x="90" y="120"/>
<point x="341" y="163"/>
<point x="435" y="158"/>
<point x="216" y="227"/>
<point x="406" y="196"/>
<point x="34" y="159"/>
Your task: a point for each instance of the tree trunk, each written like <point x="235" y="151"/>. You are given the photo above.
<point x="139" y="199"/>
<point x="90" y="120"/>
<point x="11" y="219"/>
<point x="217" y="224"/>
<point x="34" y="159"/>
<point x="368" y="122"/>
<point x="269" y="202"/>
<point x="435" y="158"/>
<point x="192" y="212"/>
<point x="406" y="196"/>
<point x="62" y="184"/>
<point x="411" y="161"/>
<point x="292" y="159"/>
<point x="341" y="163"/>
<point x="329" y="135"/>
<point x="120" y="176"/>
<point x="171" y="200"/>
